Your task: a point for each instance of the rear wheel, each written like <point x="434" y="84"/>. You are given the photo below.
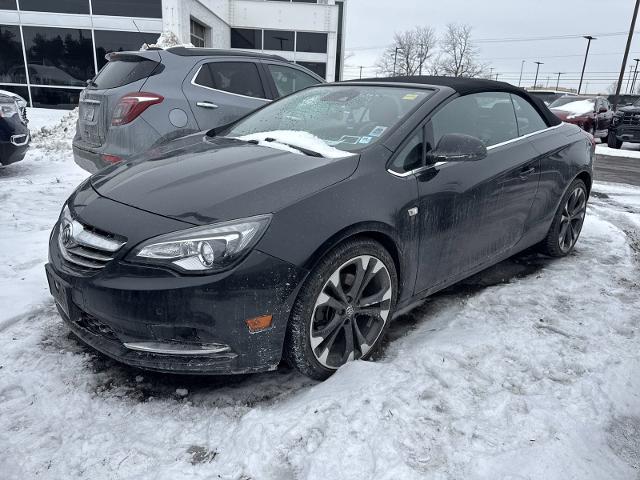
<point x="567" y="224"/>
<point x="343" y="310"/>
<point x="613" y="142"/>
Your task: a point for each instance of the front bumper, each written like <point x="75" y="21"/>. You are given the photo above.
<point x="627" y="133"/>
<point x="134" y="304"/>
<point x="14" y="150"/>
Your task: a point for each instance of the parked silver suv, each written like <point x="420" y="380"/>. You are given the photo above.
<point x="142" y="99"/>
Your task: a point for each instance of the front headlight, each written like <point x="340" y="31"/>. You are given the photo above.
<point x="8" y="108"/>
<point x="204" y="249"/>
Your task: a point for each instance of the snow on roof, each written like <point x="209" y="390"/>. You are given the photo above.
<point x="579" y="107"/>
<point x="299" y="139"/>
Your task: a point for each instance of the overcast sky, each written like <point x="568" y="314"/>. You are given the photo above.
<point x="372" y="23"/>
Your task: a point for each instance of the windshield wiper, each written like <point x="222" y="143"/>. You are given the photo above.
<point x="306" y="151"/>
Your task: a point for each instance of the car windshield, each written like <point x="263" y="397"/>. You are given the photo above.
<point x="332" y="121"/>
<point x="574" y="105"/>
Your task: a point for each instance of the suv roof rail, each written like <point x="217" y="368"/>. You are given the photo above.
<point x="204" y="52"/>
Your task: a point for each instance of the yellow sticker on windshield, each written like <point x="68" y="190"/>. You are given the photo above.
<point x="410" y="96"/>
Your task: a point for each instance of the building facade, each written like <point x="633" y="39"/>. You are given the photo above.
<point x="49" y="48"/>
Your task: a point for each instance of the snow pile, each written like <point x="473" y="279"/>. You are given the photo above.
<point x="577" y="108"/>
<point x="297" y="138"/>
<point x="56" y="137"/>
<point x="167" y="39"/>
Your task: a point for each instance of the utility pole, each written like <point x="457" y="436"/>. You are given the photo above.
<point x="626" y="54"/>
<point x="360" y="72"/>
<point x="395" y="61"/>
<point x="497" y="75"/>
<point x="537" y="70"/>
<point x="491" y="73"/>
<point x="521" y="70"/>
<point x="586" y="55"/>
<point x="558" y="82"/>
<point x="629" y="79"/>
<point x="548" y="78"/>
<point x="635" y="75"/>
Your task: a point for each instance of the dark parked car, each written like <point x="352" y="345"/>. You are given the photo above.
<point x="139" y="100"/>
<point x="625" y="126"/>
<point x="592" y="114"/>
<point x="14" y="133"/>
<point x="304" y="228"/>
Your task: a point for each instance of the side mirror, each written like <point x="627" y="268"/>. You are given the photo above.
<point x="457" y="147"/>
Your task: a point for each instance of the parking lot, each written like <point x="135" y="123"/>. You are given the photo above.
<point x="530" y="364"/>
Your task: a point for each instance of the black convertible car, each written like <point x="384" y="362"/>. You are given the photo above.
<point x="304" y="228"/>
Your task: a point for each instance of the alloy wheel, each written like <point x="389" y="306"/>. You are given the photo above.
<point x="572" y="219"/>
<point x="351" y="311"/>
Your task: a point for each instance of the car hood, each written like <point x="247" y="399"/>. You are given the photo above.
<point x="629" y="109"/>
<point x="568" y="116"/>
<point x="202" y="180"/>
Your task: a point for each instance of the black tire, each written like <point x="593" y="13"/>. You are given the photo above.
<point x="307" y="313"/>
<point x="613" y="142"/>
<point x="573" y="217"/>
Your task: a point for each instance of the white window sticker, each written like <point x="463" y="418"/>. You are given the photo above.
<point x="365" y="140"/>
<point x="376" y="132"/>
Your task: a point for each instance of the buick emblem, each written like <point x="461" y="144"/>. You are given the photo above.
<point x="67" y="235"/>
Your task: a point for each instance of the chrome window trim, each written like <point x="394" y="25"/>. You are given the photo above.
<point x="489" y="148"/>
<point x="193" y="82"/>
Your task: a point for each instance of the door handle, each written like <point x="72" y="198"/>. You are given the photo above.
<point x="525" y="173"/>
<point x="207" y="105"/>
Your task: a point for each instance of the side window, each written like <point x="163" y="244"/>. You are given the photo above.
<point x="241" y="78"/>
<point x="529" y="120"/>
<point x="289" y="80"/>
<point x="410" y="157"/>
<point x="488" y="116"/>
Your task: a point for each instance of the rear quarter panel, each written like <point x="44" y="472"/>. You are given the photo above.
<point x="565" y="152"/>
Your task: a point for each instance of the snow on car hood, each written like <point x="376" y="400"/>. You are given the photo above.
<point x="575" y="109"/>
<point x="299" y="139"/>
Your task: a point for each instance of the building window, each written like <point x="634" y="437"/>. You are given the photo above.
<point x="198" y="34"/>
<point x="318" y="68"/>
<point x="311" y="42"/>
<point x="56" y="6"/>
<point x="246" y="38"/>
<point x="7" y="4"/>
<point x="126" y="8"/>
<point x="108" y="41"/>
<point x="62" y="98"/>
<point x="11" y="60"/>
<point x="278" y="40"/>
<point x="58" y="56"/>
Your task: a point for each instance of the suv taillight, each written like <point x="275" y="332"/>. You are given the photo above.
<point x="132" y="105"/>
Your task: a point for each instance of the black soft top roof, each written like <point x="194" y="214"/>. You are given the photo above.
<point x="465" y="86"/>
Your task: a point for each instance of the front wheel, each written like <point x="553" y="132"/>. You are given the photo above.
<point x="343" y="310"/>
<point x="567" y="224"/>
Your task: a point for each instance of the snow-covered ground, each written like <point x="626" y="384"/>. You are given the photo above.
<point x="527" y="371"/>
<point x="629" y="150"/>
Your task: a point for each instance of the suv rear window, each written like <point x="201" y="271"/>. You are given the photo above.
<point x="123" y="70"/>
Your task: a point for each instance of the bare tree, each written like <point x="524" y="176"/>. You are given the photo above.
<point x="458" y="54"/>
<point x="409" y="54"/>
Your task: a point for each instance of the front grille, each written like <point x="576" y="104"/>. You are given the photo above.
<point x="86" y="248"/>
<point x="95" y="326"/>
<point x="631" y="119"/>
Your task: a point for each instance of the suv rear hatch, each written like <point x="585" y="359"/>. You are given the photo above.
<point x="125" y="72"/>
